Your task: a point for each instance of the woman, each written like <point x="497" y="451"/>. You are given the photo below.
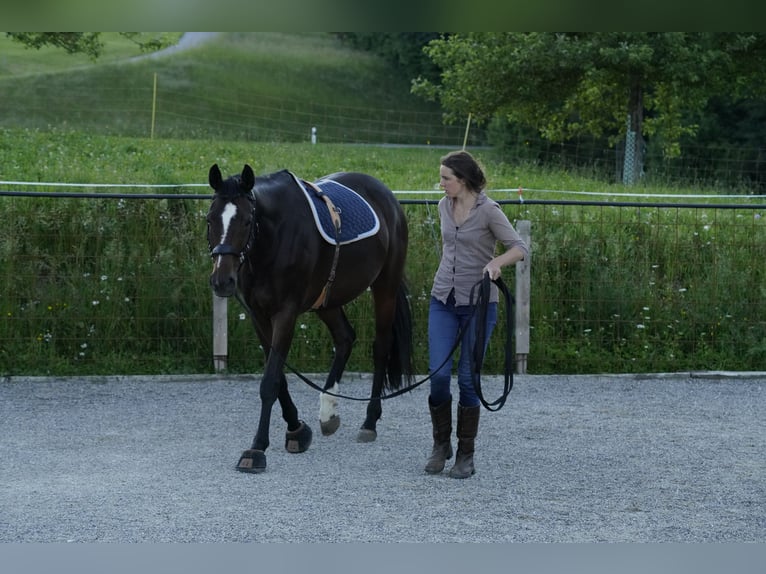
<point x="471" y="226"/>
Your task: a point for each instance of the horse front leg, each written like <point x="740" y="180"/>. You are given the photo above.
<point x="298" y="435"/>
<point x="254" y="459"/>
<point x="343" y="337"/>
<point x="274" y="386"/>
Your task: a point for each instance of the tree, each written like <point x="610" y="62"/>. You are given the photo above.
<point x="622" y="85"/>
<point x="88" y="43"/>
<point x="402" y="49"/>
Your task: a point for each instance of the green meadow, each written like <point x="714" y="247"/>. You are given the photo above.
<point x="119" y="286"/>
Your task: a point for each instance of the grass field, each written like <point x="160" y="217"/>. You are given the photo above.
<point x="237" y="86"/>
<point x="120" y="286"/>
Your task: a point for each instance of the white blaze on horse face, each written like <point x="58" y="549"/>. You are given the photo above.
<point x="228" y="214"/>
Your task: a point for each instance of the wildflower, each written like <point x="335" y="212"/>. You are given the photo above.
<point x="95" y="302"/>
<point x="640" y="326"/>
<point x="241" y="316"/>
<point x="104" y="278"/>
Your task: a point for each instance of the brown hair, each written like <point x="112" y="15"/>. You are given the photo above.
<point x="466" y="168"/>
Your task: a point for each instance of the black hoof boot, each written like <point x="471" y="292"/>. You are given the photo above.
<point x="298" y="440"/>
<point x="252" y="461"/>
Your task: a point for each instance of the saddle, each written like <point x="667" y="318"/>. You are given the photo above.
<point x="341" y="214"/>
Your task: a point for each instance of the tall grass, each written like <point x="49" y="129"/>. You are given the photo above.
<point x="120" y="286"/>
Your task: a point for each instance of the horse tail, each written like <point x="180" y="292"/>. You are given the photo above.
<point x="400" y="359"/>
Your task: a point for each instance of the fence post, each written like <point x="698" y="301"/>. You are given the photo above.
<point x="523" y="290"/>
<point x="220" y="332"/>
<point x="154" y="103"/>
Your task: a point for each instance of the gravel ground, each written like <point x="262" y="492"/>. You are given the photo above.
<point x="663" y="458"/>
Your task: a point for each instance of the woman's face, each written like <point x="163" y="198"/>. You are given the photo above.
<point x="450" y="183"/>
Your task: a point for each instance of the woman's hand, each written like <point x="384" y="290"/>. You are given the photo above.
<point x="492" y="269"/>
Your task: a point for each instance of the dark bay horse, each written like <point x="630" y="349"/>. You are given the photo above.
<point x="269" y="252"/>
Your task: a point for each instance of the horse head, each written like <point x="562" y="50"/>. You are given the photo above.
<point x="230" y="226"/>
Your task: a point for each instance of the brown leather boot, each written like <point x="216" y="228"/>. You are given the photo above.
<point x="467" y="427"/>
<point x="441" y="420"/>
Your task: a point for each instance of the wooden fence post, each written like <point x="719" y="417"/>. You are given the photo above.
<point x="220" y="333"/>
<point x="523" y="290"/>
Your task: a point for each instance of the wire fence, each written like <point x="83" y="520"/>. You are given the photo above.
<point x="178" y="108"/>
<point x="116" y="283"/>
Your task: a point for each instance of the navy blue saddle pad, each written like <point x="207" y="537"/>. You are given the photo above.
<point x="357" y="219"/>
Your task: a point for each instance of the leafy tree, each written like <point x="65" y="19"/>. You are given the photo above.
<point x="616" y="84"/>
<point x="402" y="49"/>
<point x="88" y="43"/>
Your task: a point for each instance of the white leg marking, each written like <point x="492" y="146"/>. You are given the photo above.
<point x="328" y="405"/>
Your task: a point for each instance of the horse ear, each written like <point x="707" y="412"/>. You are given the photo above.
<point x="214" y="177"/>
<point x="248" y="178"/>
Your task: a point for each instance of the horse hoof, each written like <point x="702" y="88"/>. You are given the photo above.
<point x="252" y="461"/>
<point x="366" y="435"/>
<point x="329" y="427"/>
<point x="299" y="439"/>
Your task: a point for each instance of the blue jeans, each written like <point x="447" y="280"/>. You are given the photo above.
<point x="444" y="322"/>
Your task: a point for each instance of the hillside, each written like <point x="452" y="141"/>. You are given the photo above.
<point x="254" y="86"/>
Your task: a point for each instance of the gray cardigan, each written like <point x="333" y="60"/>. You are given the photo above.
<point x="468" y="248"/>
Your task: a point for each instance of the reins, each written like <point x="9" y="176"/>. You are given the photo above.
<point x="477" y="353"/>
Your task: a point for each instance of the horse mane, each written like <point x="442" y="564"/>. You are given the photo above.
<point x="273" y="182"/>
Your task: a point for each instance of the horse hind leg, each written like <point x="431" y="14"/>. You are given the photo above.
<point x="385" y="306"/>
<point x="343" y="336"/>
